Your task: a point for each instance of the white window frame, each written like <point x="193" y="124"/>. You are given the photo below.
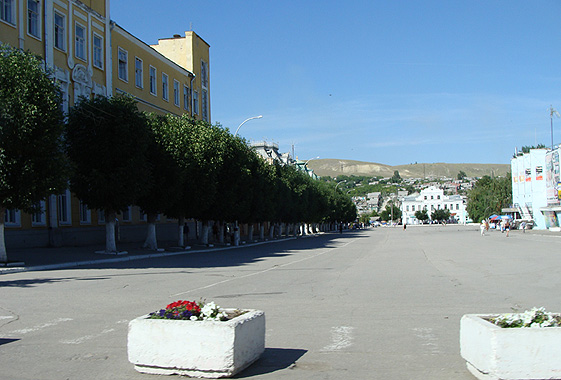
<point x="8" y="12"/>
<point x="176" y="92"/>
<point x="59" y="31"/>
<point x="12" y="218"/>
<point x="127" y="215"/>
<point x="123" y="64"/>
<point x="64" y="208"/>
<point x="186" y="98"/>
<point x="80" y="42"/>
<point x="195" y="103"/>
<point x="138" y="73"/>
<point x="97" y="51"/>
<point x="204" y="104"/>
<point x="85" y="214"/>
<point x="39" y="218"/>
<point x="100" y="216"/>
<point x="165" y="87"/>
<point x="153" y="80"/>
<point x="36" y="17"/>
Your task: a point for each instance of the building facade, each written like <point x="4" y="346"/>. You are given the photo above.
<point x="535" y="187"/>
<point x="91" y="55"/>
<point x="430" y="199"/>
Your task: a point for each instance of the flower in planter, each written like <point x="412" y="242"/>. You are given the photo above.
<point x="191" y="310"/>
<point x="535" y="318"/>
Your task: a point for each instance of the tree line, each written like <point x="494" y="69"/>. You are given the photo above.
<point x="111" y="156"/>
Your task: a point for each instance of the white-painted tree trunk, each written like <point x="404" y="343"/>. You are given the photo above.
<point x="236" y="234"/>
<point x="221" y="234"/>
<point x="204" y="233"/>
<point x="181" y="232"/>
<point x="110" y="243"/>
<point x="151" y="241"/>
<point x="271" y="230"/>
<point x="3" y="253"/>
<point x="250" y="232"/>
<point x="261" y="231"/>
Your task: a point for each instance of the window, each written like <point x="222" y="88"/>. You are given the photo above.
<point x="64" y="208"/>
<point x="195" y="102"/>
<point x="33" y="17"/>
<point x="165" y="94"/>
<point x="138" y="72"/>
<point x="122" y="65"/>
<point x="153" y="84"/>
<point x="127" y="214"/>
<point x="98" y="51"/>
<point x="60" y="35"/>
<point x="7" y="11"/>
<point x="80" y="35"/>
<point x="425" y="197"/>
<point x="204" y="105"/>
<point x="176" y="92"/>
<point x="186" y="98"/>
<point x="204" y="74"/>
<point x="12" y="218"/>
<point x="38" y="218"/>
<point x="85" y="214"/>
<point x="438" y="196"/>
<point x="100" y="217"/>
<point x="457" y="206"/>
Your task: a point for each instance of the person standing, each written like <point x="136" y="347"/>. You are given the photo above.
<point x="483" y="227"/>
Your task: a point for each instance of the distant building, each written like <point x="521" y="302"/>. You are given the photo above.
<point x="430" y="199"/>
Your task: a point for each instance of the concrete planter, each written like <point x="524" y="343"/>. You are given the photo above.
<point x="492" y="352"/>
<point x="196" y="348"/>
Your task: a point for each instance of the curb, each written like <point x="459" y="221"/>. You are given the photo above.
<point x="134" y="257"/>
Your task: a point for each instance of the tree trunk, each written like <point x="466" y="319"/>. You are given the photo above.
<point x="271" y="230"/>
<point x="3" y="254"/>
<point x="250" y="232"/>
<point x="181" y="232"/>
<point x="261" y="231"/>
<point x="110" y="244"/>
<point x="221" y="231"/>
<point x="151" y="242"/>
<point x="236" y="234"/>
<point x="204" y="233"/>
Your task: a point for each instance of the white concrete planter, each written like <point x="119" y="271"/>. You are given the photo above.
<point x="493" y="352"/>
<point x="209" y="349"/>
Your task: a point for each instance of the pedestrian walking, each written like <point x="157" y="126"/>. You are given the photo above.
<point x="507" y="227"/>
<point x="483" y="227"/>
<point x="523" y="225"/>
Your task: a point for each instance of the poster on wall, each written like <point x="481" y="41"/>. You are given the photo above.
<point x="552" y="177"/>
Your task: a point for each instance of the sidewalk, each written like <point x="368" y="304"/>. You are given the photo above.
<point x="35" y="259"/>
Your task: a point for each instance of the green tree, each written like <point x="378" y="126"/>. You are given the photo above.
<point x="440" y="215"/>
<point x="108" y="142"/>
<point x="488" y="196"/>
<point x="167" y="179"/>
<point x="32" y="160"/>
<point x="390" y="213"/>
<point x="396" y="178"/>
<point x="462" y="175"/>
<point x="422" y="215"/>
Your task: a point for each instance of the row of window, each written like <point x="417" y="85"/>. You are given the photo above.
<point x="7" y="14"/>
<point x="13" y="217"/>
<point x="420" y="207"/>
<point x="123" y="74"/>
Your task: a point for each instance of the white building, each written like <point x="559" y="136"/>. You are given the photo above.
<point x="430" y="199"/>
<point x="535" y="179"/>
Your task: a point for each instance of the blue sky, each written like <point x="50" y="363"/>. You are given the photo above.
<point x="393" y="82"/>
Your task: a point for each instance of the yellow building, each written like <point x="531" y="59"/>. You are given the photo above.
<point x="92" y="55"/>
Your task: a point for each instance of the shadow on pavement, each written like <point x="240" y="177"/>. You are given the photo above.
<point x="272" y="360"/>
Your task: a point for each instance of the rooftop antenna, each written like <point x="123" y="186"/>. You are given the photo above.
<point x="552" y="112"/>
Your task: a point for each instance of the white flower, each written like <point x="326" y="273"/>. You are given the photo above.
<point x="194" y="318"/>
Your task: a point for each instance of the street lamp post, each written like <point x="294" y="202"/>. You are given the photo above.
<point x="245" y="121"/>
<point x="315" y="158"/>
<point x="336" y="186"/>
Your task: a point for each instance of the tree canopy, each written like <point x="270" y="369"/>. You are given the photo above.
<point x="489" y="196"/>
<point x="32" y="160"/>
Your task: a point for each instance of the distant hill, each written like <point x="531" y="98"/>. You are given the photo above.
<point x="334" y="167"/>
